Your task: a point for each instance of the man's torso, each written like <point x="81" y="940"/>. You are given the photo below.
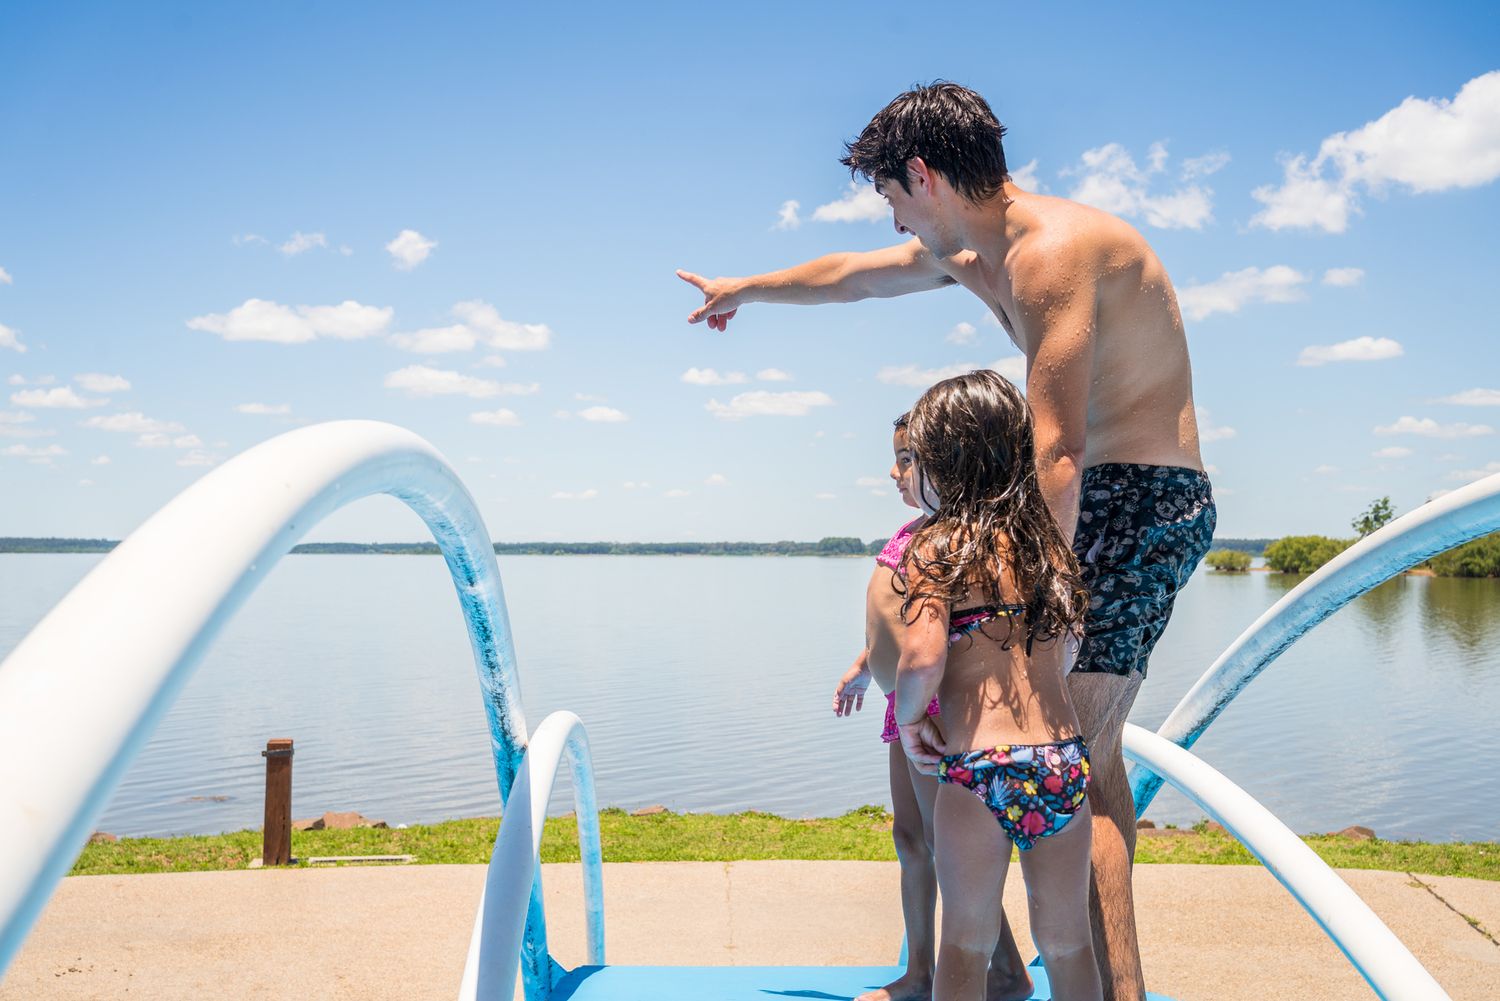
<point x="1140" y="407"/>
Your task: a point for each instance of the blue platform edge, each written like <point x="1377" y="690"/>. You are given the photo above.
<point x="741" y="983"/>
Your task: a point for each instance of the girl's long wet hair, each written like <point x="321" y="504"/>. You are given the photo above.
<point x="971" y="438"/>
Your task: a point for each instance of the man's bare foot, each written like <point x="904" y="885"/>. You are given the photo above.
<point x="1015" y="987"/>
<point x="909" y="987"/>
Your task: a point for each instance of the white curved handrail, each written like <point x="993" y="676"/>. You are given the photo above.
<point x="1387" y="965"/>
<point x="1439" y="525"/>
<point x="495" y="946"/>
<point x="82" y="692"/>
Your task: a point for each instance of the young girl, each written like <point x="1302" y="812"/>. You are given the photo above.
<point x="912" y="793"/>
<point x="993" y="593"/>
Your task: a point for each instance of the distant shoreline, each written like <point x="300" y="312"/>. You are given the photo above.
<point x="844" y="546"/>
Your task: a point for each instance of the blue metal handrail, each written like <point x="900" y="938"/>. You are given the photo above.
<point x="85" y="689"/>
<point x="499" y="927"/>
<point x="1451" y="520"/>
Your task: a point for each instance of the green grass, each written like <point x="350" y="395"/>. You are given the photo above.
<point x="862" y="834"/>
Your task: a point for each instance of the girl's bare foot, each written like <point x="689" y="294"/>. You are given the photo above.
<point x="1016" y="986"/>
<point x="909" y="987"/>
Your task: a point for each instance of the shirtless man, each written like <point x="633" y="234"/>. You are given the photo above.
<point x="1110" y="387"/>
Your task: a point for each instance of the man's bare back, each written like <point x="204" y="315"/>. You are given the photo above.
<point x="1140" y="397"/>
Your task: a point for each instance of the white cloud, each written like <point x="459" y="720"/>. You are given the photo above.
<point x="859" y="204"/>
<point x="100" y="460"/>
<point x="1392" y="452"/>
<point x="676" y="493"/>
<point x="588" y="494"/>
<point x="1109" y="179"/>
<point x="11" y="339"/>
<point x="1203" y="166"/>
<point x="349" y="320"/>
<point x="1358" y="349"/>
<point x="134" y="422"/>
<point x="962" y="333"/>
<point x="262" y="320"/>
<point x="773" y="375"/>
<point x="710" y="377"/>
<point x="41" y="455"/>
<point x="635" y="485"/>
<point x="301" y="242"/>
<point x="1473" y="398"/>
<point x="603" y="415"/>
<point x="761" y="403"/>
<point x="422" y="381"/>
<point x="1343" y="277"/>
<point x="716" y="480"/>
<point x="61" y="398"/>
<point x="15" y="417"/>
<point x="788" y="218"/>
<point x="1429" y="428"/>
<point x="15" y="380"/>
<point x="491" y="361"/>
<point x="1013" y="368"/>
<point x="437" y="340"/>
<point x="1325" y="470"/>
<point x="5" y="278"/>
<point x="1026" y="178"/>
<point x="1209" y="431"/>
<point x="241" y="240"/>
<point x="825" y="496"/>
<point x="198" y="457"/>
<point x="501" y="418"/>
<point x="1234" y="289"/>
<point x="589" y="398"/>
<point x="156" y="439"/>
<point x="1469" y="475"/>
<point x="264" y="409"/>
<point x="409" y="249"/>
<point x="873" y="481"/>
<point x="502" y="334"/>
<point x="95" y="382"/>
<point x="1423" y="145"/>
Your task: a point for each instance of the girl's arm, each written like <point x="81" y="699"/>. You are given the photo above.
<point x="849" y="696"/>
<point x="924" y="655"/>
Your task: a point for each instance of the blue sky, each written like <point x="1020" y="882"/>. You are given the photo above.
<point x="218" y="222"/>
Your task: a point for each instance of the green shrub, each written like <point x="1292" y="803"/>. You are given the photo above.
<point x="1231" y="560"/>
<point x="1303" y="553"/>
<point x="1480" y="558"/>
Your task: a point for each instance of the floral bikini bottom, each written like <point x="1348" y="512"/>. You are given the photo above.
<point x="1032" y="789"/>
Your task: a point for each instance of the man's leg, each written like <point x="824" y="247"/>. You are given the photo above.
<point x="1103" y="702"/>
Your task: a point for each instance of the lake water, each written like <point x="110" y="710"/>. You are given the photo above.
<point x="705" y="683"/>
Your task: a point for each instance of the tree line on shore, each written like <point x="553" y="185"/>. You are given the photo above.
<point x="1306" y="553"/>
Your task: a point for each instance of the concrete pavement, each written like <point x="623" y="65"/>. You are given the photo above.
<point x="400" y="932"/>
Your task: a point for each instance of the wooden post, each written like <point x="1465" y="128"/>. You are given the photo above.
<point x="276" y="848"/>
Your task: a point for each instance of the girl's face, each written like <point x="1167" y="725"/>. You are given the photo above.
<point x="901" y="471"/>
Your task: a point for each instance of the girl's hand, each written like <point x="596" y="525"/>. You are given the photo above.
<point x="849" y="696"/>
<point x="924" y="744"/>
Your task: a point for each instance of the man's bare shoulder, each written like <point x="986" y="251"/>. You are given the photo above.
<point x="1068" y="242"/>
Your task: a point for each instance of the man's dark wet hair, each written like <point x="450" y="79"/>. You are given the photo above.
<point x="949" y="126"/>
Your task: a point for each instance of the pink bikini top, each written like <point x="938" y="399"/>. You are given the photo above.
<point x="895" y="549"/>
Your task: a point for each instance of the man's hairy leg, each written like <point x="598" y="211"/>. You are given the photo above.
<point x="1103" y="702"/>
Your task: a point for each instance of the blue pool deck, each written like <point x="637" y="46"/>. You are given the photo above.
<point x="741" y="983"/>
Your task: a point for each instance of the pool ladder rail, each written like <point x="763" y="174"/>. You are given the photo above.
<point x="86" y="688"/>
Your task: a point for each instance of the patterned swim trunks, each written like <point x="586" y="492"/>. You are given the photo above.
<point x="1142" y="531"/>
<point x="1032" y="790"/>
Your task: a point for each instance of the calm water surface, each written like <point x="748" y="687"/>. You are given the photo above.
<point x="705" y="683"/>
